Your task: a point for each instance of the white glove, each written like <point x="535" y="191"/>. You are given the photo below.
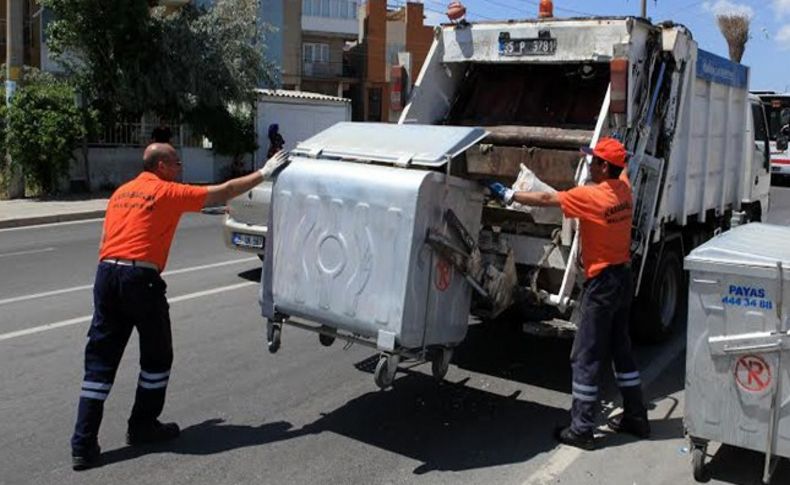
<point x="272" y="165"/>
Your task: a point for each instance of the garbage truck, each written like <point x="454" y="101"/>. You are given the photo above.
<point x="384" y="234"/>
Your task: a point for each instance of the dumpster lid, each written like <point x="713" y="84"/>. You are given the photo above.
<point x="426" y="145"/>
<point x="752" y="245"/>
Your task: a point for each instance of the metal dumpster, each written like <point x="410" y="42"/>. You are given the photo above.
<point x="737" y="369"/>
<point x="350" y="239"/>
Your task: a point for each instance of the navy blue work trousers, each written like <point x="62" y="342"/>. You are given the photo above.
<point x="603" y="336"/>
<point x="124" y="297"/>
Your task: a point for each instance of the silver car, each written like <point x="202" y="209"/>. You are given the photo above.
<point x="246" y="218"/>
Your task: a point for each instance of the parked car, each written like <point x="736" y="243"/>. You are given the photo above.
<point x="246" y="217"/>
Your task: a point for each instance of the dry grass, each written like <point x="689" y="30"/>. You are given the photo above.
<point x="735" y="29"/>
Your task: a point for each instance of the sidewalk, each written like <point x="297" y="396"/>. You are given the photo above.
<point x="27" y="212"/>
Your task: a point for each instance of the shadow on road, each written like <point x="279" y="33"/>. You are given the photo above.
<point x="207" y="438"/>
<point x="743" y="467"/>
<point x="251" y="275"/>
<point x="502" y="350"/>
<point x="445" y="426"/>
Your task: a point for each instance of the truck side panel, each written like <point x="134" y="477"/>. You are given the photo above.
<point x="707" y="158"/>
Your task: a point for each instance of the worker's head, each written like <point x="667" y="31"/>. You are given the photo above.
<point x="608" y="159"/>
<point x="274" y="129"/>
<point x="162" y="159"/>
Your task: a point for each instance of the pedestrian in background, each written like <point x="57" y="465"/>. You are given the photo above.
<point x="129" y="292"/>
<point x="276" y="142"/>
<point x="605" y="215"/>
<point x="162" y="133"/>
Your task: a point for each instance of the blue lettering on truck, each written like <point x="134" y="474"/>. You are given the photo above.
<point x="713" y="68"/>
<point x="747" y="296"/>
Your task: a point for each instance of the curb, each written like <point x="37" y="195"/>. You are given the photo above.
<point x="50" y="219"/>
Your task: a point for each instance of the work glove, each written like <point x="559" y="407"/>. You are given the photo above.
<point x="501" y="192"/>
<point x="273" y="165"/>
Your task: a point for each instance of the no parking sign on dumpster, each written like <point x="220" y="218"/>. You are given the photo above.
<point x="752" y="373"/>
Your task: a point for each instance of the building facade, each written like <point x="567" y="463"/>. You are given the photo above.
<point x="392" y="47"/>
<point x="32" y="33"/>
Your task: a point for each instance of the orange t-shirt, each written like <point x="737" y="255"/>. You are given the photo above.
<point x="605" y="213"/>
<point x="142" y="216"/>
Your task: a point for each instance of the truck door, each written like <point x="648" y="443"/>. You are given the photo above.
<point x="761" y="159"/>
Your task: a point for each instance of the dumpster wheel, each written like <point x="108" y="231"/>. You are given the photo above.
<point x="273" y="335"/>
<point x="325" y="336"/>
<point x="440" y="362"/>
<point x="384" y="375"/>
<point x="698" y="452"/>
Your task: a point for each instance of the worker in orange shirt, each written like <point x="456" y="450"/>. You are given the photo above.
<point x="604" y="210"/>
<point x="128" y="293"/>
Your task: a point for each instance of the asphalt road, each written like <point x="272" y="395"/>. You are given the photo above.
<point x="308" y="414"/>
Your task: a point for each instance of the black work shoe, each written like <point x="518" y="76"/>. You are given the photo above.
<point x="151" y="433"/>
<point x="87" y="459"/>
<point x="568" y="437"/>
<point x="638" y="427"/>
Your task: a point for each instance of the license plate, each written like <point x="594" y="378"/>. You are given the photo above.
<point x="247" y="240"/>
<point x="528" y="47"/>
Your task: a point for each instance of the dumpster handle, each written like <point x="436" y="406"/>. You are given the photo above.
<point x="751" y="348"/>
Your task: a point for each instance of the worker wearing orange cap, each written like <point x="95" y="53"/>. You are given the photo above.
<point x="604" y="210"/>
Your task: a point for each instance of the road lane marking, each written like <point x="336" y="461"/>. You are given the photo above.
<point x="564" y="456"/>
<point x="32" y="251"/>
<point x="72" y="289"/>
<point x="87" y="318"/>
<point x="51" y="224"/>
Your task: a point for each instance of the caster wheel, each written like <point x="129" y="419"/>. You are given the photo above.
<point x="440" y="363"/>
<point x="273" y="336"/>
<point x="324" y="339"/>
<point x="384" y="374"/>
<point x="698" y="464"/>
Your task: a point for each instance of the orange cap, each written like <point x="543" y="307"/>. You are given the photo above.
<point x="608" y="149"/>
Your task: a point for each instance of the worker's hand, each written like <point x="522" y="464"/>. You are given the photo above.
<point x="278" y="161"/>
<point x="501" y="192"/>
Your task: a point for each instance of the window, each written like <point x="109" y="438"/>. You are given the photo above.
<point x="313" y="52"/>
<point x="337" y="9"/>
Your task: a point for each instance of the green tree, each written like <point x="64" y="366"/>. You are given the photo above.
<point x="192" y="65"/>
<point x="43" y="126"/>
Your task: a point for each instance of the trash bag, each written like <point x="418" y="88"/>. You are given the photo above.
<point x="528" y="182"/>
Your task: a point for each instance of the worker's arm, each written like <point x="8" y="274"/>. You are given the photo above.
<point x="219" y="194"/>
<point x="536" y="199"/>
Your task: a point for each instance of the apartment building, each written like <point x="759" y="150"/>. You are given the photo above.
<point x="391" y="49"/>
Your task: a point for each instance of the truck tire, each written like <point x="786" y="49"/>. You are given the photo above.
<point x="659" y="306"/>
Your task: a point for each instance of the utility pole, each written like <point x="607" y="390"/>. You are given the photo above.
<point x="14" y="183"/>
<point x="644" y="8"/>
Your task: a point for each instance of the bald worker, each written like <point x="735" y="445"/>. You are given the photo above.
<point x="129" y="292"/>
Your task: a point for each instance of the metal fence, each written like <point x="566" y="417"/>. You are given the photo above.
<point x="139" y="134"/>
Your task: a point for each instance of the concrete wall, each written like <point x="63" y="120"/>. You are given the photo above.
<point x="111" y="167"/>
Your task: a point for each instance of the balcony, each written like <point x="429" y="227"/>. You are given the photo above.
<point x="340" y="27"/>
<point x="321" y="69"/>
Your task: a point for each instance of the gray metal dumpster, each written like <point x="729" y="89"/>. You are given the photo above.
<point x="352" y="217"/>
<point x="737" y="369"/>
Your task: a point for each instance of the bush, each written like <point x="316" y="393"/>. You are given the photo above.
<point x="43" y="127"/>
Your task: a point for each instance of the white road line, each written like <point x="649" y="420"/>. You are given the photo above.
<point x="564" y="456"/>
<point x="32" y="251"/>
<point x="51" y="224"/>
<point x="45" y="294"/>
<point x="87" y="318"/>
